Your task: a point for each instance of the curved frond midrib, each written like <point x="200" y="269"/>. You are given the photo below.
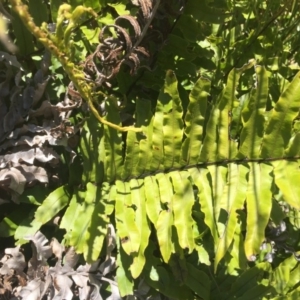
<point x="212" y="163"/>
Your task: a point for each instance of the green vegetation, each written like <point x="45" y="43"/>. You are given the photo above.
<point x="162" y="139"/>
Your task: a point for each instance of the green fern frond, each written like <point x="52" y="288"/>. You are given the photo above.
<point x="183" y="164"/>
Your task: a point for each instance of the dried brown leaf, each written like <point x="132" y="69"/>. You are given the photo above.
<point x="133" y="22"/>
<point x="13" y="179"/>
<point x="71" y="258"/>
<point x="146" y="6"/>
<point x="13" y="260"/>
<point x="43" y="251"/>
<point x="29" y="156"/>
<point x="32" y="291"/>
<point x="57" y="248"/>
<point x="62" y="286"/>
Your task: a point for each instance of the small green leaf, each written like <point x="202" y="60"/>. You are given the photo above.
<point x="138" y="199"/>
<point x="53" y="204"/>
<point x="92" y="151"/>
<point x="124" y="278"/>
<point x="172" y="121"/>
<point x="216" y="145"/>
<point x="164" y="282"/>
<point x="71" y="214"/>
<point x="112" y="144"/>
<point x="279" y="128"/>
<point x="131" y="155"/>
<point x="257" y="292"/>
<point x="236" y="252"/>
<point x="194" y="120"/>
<point x="198" y="281"/>
<point x="120" y="8"/>
<point x="177" y="264"/>
<point x="125" y="219"/>
<point x="153" y="206"/>
<point x="281" y="276"/>
<point x="201" y="178"/>
<point x="183" y="201"/>
<point x="79" y="236"/>
<point x="91" y="34"/>
<point x="27" y="228"/>
<point x="287" y="178"/>
<point x="35" y="195"/>
<point x="99" y="221"/>
<point x="145" y="121"/>
<point x="165" y="218"/>
<point x="157" y="149"/>
<point x="164" y="233"/>
<point x="233" y="200"/>
<point x="203" y="255"/>
<point x="293" y="276"/>
<point x="249" y="279"/>
<point x="259" y="205"/>
<point x="253" y="116"/>
<point x="9" y="225"/>
<point x="294" y="146"/>
<point x="219" y="175"/>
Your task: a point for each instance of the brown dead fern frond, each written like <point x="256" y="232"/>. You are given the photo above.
<point x="118" y="45"/>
